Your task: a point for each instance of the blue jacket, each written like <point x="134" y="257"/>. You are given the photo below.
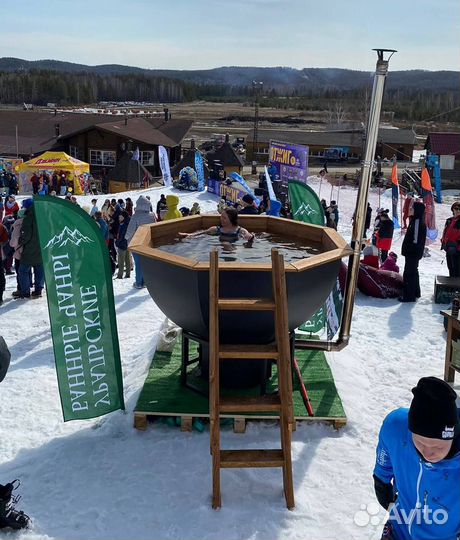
<point x="104" y="228"/>
<point x="428" y="494"/>
<point x="121" y="241"/>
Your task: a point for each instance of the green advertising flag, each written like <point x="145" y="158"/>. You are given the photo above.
<point x="307" y="207"/>
<point x="305" y="204"/>
<point x="334" y="305"/>
<point x="317" y="322"/>
<point x="81" y="308"/>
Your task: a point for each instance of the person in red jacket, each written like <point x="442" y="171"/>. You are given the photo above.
<point x="3" y="240"/>
<point x="384" y="235"/>
<point x="407" y="209"/>
<point x="371" y="255"/>
<point x="450" y="241"/>
<point x="11" y="206"/>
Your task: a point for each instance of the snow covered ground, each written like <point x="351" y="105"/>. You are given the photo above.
<point x="102" y="479"/>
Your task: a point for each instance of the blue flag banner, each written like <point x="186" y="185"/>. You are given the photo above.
<point x="199" y="168"/>
<point x="238" y="178"/>
<point x="275" y="205"/>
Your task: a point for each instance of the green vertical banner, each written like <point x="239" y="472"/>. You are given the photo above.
<point x="305" y="204"/>
<point x="306" y="207"/>
<point x="81" y="309"/>
<point x="334" y="305"/>
<point x="317" y="323"/>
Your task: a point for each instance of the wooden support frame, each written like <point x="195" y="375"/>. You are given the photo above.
<point x="280" y="352"/>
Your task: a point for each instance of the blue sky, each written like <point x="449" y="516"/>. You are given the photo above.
<point x="201" y="34"/>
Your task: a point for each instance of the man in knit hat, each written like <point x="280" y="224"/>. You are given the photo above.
<point x="247" y="203"/>
<point x="417" y="470"/>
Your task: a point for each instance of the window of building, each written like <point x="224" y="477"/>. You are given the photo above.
<point x="106" y="158"/>
<point x="75" y="152"/>
<point x="147" y="157"/>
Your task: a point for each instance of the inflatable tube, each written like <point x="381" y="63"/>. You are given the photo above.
<point x="379" y="283"/>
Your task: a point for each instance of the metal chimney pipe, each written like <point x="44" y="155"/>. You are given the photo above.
<point x="372" y="132"/>
<point x="361" y="206"/>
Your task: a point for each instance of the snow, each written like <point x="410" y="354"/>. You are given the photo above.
<point x="103" y="479"/>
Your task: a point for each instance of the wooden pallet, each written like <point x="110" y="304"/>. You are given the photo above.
<point x="142" y="420"/>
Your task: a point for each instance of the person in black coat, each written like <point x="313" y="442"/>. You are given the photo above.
<point x="247" y="202"/>
<point x="412" y="249"/>
<point x="367" y="223"/>
<point x="124" y="258"/>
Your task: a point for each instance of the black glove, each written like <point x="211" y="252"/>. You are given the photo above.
<point x="384" y="492"/>
<point x="5" y="491"/>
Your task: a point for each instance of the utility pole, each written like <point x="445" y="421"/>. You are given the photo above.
<point x="257" y="90"/>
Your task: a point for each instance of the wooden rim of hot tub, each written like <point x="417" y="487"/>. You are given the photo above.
<point x="148" y="237"/>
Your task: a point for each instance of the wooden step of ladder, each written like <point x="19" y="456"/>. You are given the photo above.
<point x="265" y="403"/>
<point x="246" y="304"/>
<point x="232" y="459"/>
<point x="255" y="352"/>
<point x="280" y="403"/>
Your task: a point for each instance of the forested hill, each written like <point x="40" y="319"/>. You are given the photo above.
<point x="278" y="78"/>
<point x="410" y="95"/>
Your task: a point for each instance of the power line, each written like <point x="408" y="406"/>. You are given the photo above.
<point x="440" y="114"/>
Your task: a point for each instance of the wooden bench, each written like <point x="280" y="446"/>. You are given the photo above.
<point x="452" y="360"/>
<point x="445" y="289"/>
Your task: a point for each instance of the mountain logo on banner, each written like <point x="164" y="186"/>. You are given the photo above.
<point x="67" y="236"/>
<point x="305" y="210"/>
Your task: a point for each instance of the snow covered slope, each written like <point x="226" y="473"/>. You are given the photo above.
<point x="102" y="479"/>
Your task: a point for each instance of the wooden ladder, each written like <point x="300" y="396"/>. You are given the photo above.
<point x="280" y="403"/>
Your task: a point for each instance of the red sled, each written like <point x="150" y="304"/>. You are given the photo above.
<point x="379" y="283"/>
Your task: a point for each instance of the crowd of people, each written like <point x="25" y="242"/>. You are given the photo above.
<point x="119" y="219"/>
<point x="8" y="183"/>
<point x="377" y="253"/>
<point x="20" y="251"/>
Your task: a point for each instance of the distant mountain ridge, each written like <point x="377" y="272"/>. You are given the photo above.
<point x="278" y="78"/>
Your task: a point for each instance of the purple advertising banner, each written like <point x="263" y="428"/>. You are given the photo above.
<point x="231" y="193"/>
<point x="288" y="162"/>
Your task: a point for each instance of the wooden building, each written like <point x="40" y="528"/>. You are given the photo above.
<point x="188" y="160"/>
<point x="100" y="140"/>
<point x="225" y="155"/>
<point x="447" y="147"/>
<point x="128" y="174"/>
<point x="390" y="142"/>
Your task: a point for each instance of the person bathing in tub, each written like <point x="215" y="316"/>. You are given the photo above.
<point x="228" y="230"/>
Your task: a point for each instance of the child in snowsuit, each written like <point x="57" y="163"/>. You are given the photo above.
<point x="390" y="264"/>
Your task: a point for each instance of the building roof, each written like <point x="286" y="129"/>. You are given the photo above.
<point x="174" y="129"/>
<point x="36" y="130"/>
<point x="138" y="130"/>
<point x="188" y="160"/>
<point x="128" y="170"/>
<point x="443" y="144"/>
<point x="226" y="154"/>
<point x="332" y="138"/>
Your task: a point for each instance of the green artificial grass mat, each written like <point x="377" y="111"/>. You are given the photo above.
<point x="163" y="394"/>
